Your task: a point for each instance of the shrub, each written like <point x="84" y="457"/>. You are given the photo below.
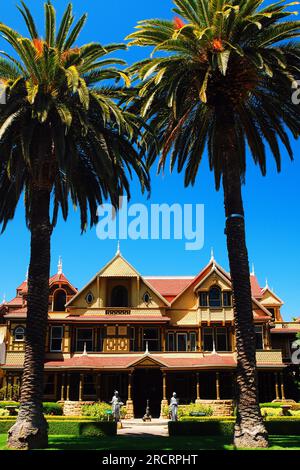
<point x="3" y="404"/>
<point x="3" y="412"/>
<point x="271" y="405"/>
<point x="284" y="425"/>
<point x="75" y="428"/>
<point x="11" y="391"/>
<point x="210" y="427"/>
<point x="189" y="410"/>
<point x="101" y="411"/>
<point x="51" y="408"/>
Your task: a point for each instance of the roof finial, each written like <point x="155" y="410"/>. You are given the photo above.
<point x="26" y="276"/>
<point x="118" y="248"/>
<point x="59" y="266"/>
<point x="4" y="299"/>
<point x="212" y="255"/>
<point x="267" y="284"/>
<point x="147" y="348"/>
<point x="253" y="270"/>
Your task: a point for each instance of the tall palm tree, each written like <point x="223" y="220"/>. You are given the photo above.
<point x="220" y="79"/>
<point x="62" y="136"/>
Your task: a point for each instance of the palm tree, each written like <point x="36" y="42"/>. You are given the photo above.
<point x="222" y="81"/>
<point x="64" y="137"/>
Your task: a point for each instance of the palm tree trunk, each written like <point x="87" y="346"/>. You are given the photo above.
<point x="31" y="430"/>
<point x="249" y="429"/>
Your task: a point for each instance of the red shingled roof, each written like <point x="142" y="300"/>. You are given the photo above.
<point x="58" y="278"/>
<point x="119" y="318"/>
<point x="255" y="287"/>
<point x="125" y="361"/>
<point x="169" y="287"/>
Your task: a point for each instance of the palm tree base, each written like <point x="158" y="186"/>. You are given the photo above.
<point x="30" y="430"/>
<point x="247" y="436"/>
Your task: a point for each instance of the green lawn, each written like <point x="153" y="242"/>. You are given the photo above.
<point x="155" y="443"/>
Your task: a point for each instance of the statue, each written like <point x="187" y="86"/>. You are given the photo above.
<point x="147" y="415"/>
<point x="116" y="406"/>
<point x="174" y="407"/>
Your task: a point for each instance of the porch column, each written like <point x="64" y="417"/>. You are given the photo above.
<point x="282" y="386"/>
<point x="276" y="386"/>
<point x="68" y="387"/>
<point x="98" y="387"/>
<point x="198" y="400"/>
<point x="62" y="391"/>
<point x="129" y="402"/>
<point x="218" y="385"/>
<point x="81" y="380"/>
<point x="164" y="402"/>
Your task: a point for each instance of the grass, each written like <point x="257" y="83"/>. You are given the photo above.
<point x="155" y="443"/>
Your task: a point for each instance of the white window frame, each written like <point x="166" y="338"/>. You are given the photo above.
<point x="186" y="341"/>
<point x="84" y="341"/>
<point x="15" y="332"/>
<point x="51" y="338"/>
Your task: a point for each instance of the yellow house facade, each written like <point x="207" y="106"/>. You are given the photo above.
<point x="148" y="337"/>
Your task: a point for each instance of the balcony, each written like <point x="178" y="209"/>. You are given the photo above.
<point x="269" y="357"/>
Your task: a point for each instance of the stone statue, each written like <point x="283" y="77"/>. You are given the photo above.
<point x="116" y="406"/>
<point x="174" y="407"/>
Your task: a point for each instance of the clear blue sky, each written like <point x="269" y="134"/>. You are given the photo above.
<point x="271" y="203"/>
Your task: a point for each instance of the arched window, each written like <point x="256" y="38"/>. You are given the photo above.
<point x="60" y="300"/>
<point x="215" y="298"/>
<point x="19" y="333"/>
<point x="119" y="297"/>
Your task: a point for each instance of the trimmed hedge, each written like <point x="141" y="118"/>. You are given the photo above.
<point x="49" y="408"/>
<point x="211" y="427"/>
<point x="75" y="428"/>
<point x="285" y="425"/>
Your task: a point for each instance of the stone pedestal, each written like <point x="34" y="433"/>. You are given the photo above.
<point x="130" y="410"/>
<point x="164" y="409"/>
<point x="198" y="401"/>
<point x="74" y="408"/>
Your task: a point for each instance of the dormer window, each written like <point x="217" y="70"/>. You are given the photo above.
<point x="215" y="297"/>
<point x="59" y="300"/>
<point x="119" y="297"/>
<point x="19" y="333"/>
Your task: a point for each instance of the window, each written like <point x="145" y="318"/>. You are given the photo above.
<point x="84" y="336"/>
<point x="119" y="297"/>
<point x="272" y="311"/>
<point x="151" y="335"/>
<point x="203" y="299"/>
<point x="182" y="342"/>
<point x="193" y="341"/>
<point x="221" y="339"/>
<point x="215" y="297"/>
<point x="19" y="333"/>
<point x="208" y="339"/>
<point x="89" y="387"/>
<point x="59" y="301"/>
<point x="132" y="338"/>
<point x="227" y="299"/>
<point x="49" y="384"/>
<point x="259" y="337"/>
<point x="56" y="336"/>
<point x="89" y="298"/>
<point x="147" y="298"/>
<point x="171" y="342"/>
